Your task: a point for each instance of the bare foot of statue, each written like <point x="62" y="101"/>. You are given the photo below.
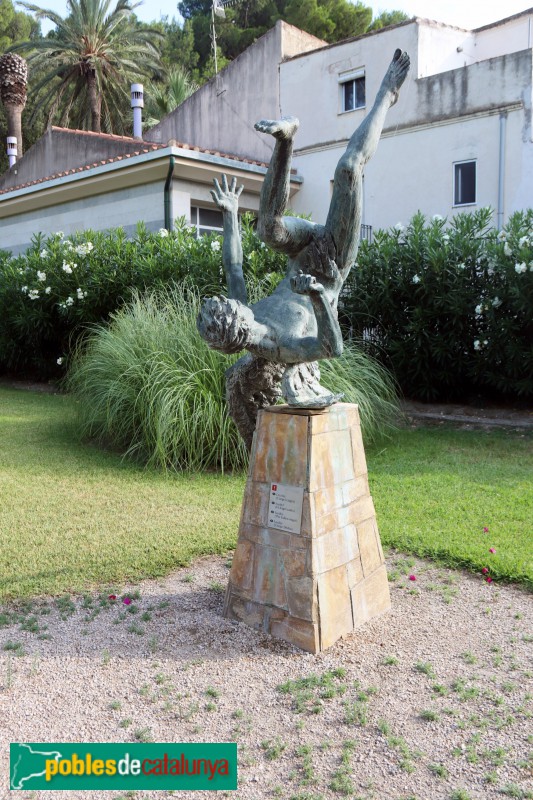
<point x="283" y="128"/>
<point x="396" y="74"/>
<point x="300" y="386"/>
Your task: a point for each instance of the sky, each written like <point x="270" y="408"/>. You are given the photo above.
<point x="463" y="13"/>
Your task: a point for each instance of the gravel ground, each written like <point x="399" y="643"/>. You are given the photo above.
<point x="426" y="701"/>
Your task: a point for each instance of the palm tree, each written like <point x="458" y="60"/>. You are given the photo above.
<point x="13" y="84"/>
<point x="163" y="97"/>
<point x="89" y="61"/>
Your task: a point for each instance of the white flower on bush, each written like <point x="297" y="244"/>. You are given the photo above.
<point x="33" y="294"/>
<point x="81" y="294"/>
<point x="501" y="236"/>
<point x="68" y="245"/>
<point x="24" y="289"/>
<point x="519" y="268"/>
<point x="215" y="245"/>
<point x="69" y="301"/>
<point x="44" y="254"/>
<point x="477" y="344"/>
<point x="437" y="218"/>
<point x="524" y="241"/>
<point x="67" y="268"/>
<point x="445" y="237"/>
<point x="462" y="265"/>
<point x="496" y="302"/>
<point x="415" y="279"/>
<point x="479" y="310"/>
<point x="48" y="290"/>
<point x="84" y="249"/>
<point x="60" y="234"/>
<point x="60" y="360"/>
<point x="399" y="227"/>
<point x="507" y="250"/>
<point x="163" y="232"/>
<point x="41" y="276"/>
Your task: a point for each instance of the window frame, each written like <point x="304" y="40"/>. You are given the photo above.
<point x="457" y="164"/>
<point x="349" y="77"/>
<point x="204" y="230"/>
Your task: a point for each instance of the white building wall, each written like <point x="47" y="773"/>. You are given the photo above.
<point x="123" y="208"/>
<point x="413" y="171"/>
<point x="508" y="36"/>
<point x="310" y="88"/>
<point x="440" y="119"/>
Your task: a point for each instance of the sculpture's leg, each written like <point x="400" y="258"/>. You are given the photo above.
<point x="344" y="217"/>
<point x="251" y="383"/>
<point x="286" y="234"/>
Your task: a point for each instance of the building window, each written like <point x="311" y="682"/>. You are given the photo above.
<point x="353" y="92"/>
<point x="464" y="183"/>
<point x="206" y="220"/>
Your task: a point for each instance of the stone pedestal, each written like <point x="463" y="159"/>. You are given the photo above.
<point x="321" y="573"/>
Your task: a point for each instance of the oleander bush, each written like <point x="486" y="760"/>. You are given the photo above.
<point x="148" y="385"/>
<point x="448" y="305"/>
<point x="51" y="293"/>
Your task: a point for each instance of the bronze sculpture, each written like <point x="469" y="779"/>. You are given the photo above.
<point x="289" y="331"/>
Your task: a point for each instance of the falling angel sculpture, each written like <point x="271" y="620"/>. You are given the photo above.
<point x="287" y="332"/>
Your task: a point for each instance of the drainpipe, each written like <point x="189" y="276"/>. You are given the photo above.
<point x="12" y="150"/>
<point x="137" y="104"/>
<point x="501" y="170"/>
<point x="166" y="195"/>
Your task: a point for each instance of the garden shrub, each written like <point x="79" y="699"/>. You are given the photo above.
<point x="448" y="305"/>
<point x="59" y="286"/>
<point x="149" y="385"/>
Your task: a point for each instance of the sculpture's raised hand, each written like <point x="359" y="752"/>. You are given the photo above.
<point x="227" y="198"/>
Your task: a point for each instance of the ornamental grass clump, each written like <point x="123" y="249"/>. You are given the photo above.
<point x="149" y="385"/>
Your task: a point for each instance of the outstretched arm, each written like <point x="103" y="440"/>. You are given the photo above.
<point x="227" y="199"/>
<point x="328" y="341"/>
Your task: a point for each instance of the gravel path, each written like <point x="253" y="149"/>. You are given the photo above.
<point x="428" y="700"/>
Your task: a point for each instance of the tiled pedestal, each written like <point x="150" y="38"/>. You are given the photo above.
<point x="318" y="583"/>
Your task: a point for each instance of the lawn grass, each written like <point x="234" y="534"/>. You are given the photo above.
<point x="436" y="488"/>
<point x="73" y="517"/>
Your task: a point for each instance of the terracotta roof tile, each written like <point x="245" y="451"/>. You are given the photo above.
<point x="149" y="147"/>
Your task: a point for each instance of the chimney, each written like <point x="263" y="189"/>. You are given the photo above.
<point x="137" y="104"/>
<point x="12" y="150"/>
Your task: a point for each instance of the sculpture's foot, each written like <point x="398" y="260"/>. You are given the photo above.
<point x="396" y="75"/>
<point x="301" y="388"/>
<point x="283" y="128"/>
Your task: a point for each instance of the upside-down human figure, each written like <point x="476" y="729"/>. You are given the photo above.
<point x="289" y="331"/>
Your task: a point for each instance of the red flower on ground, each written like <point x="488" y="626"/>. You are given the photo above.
<point x="485" y="530"/>
<point x="484" y="570"/>
<point x="112" y="597"/>
<point x="492" y="549"/>
<point x="126" y="601"/>
<point x="488" y="579"/>
<point x="412" y="577"/>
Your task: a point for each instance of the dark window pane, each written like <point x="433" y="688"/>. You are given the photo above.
<point x="211" y="218"/>
<point x="465" y="183"/>
<point x="360" y="92"/>
<point x="348" y="96"/>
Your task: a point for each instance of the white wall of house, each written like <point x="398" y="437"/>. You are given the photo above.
<point x="441" y="118"/>
<point x="123" y="208"/>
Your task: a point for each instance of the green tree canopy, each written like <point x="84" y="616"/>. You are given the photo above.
<point x="89" y="61"/>
<point x="246" y="20"/>
<point x="15" y="26"/>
